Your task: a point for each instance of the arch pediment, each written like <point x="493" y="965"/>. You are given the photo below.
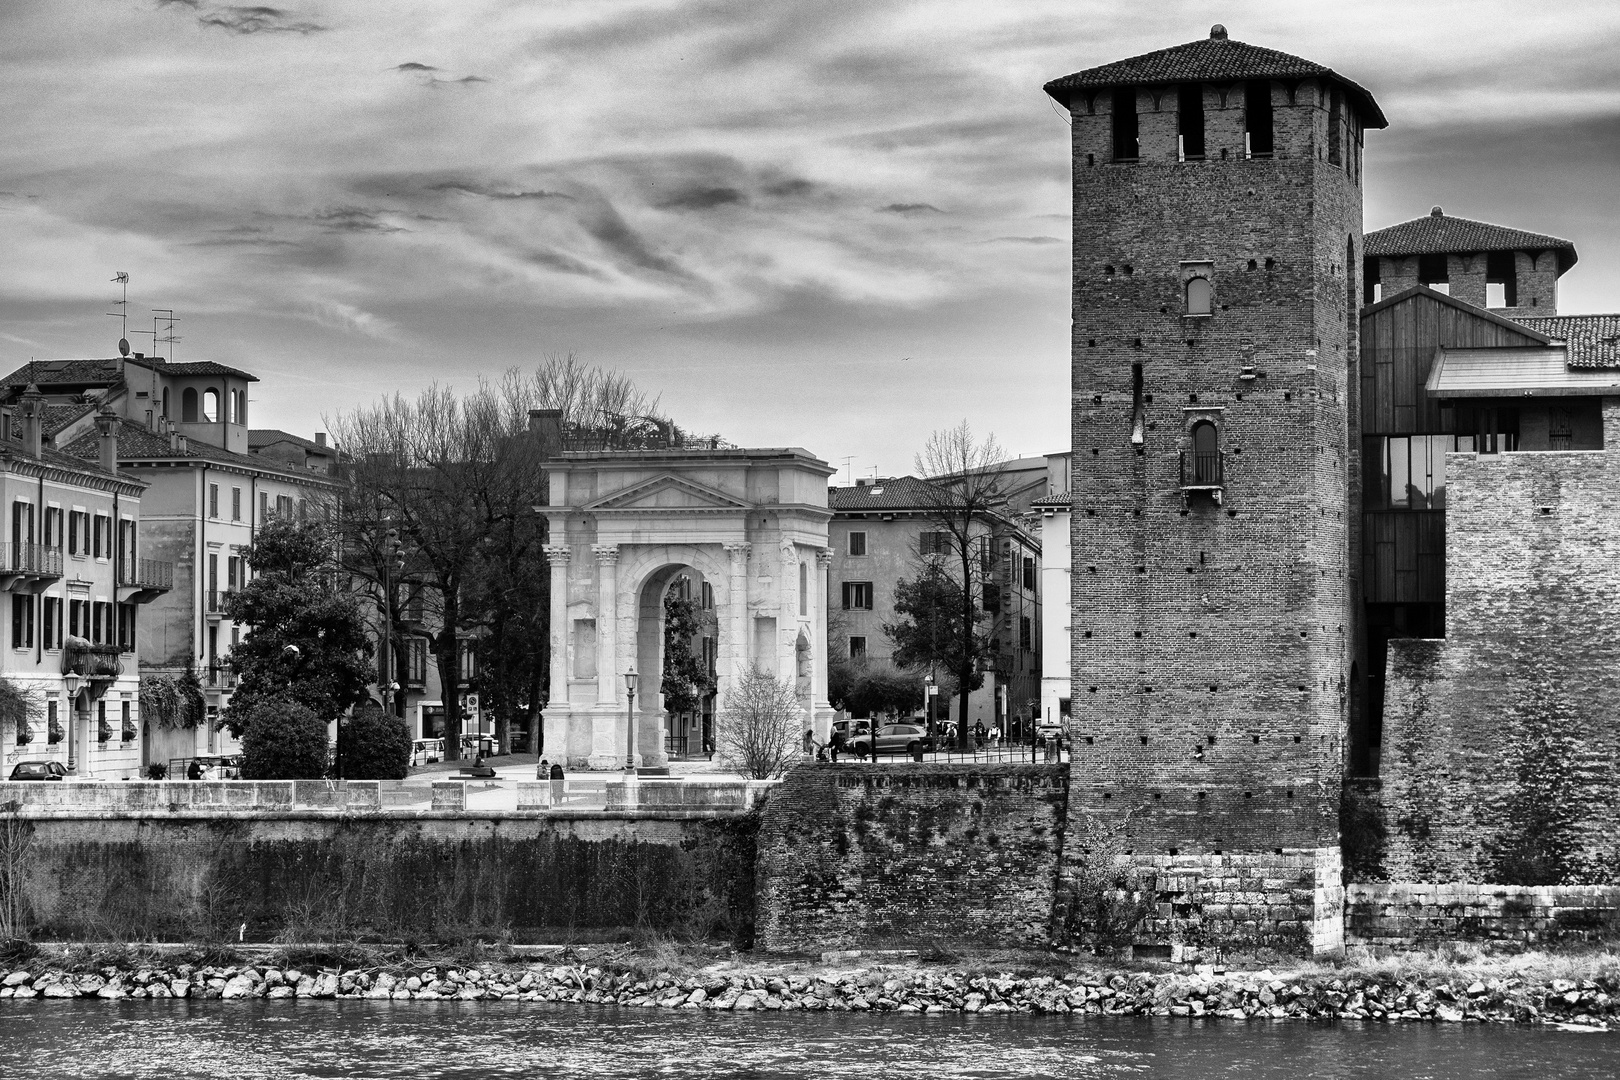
<point x="668" y="493"/>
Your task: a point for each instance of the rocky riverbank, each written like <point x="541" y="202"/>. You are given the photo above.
<point x="1205" y="992"/>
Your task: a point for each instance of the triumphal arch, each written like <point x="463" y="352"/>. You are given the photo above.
<point x="741" y="532"/>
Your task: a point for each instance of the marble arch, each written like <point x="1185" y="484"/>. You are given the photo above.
<point x="750" y="524"/>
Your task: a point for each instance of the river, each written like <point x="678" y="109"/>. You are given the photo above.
<point x="451" y="1041"/>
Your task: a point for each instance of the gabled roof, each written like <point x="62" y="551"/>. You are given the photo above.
<point x="201" y="367"/>
<point x="1461" y="305"/>
<point x="1437" y="234"/>
<point x="261" y="437"/>
<point x="1593" y="341"/>
<point x="107" y="371"/>
<point x="1216" y="59"/>
<point x="900" y="493"/>
<point x="58" y="417"/>
<point x="1060" y="500"/>
<point x="1534" y="371"/>
<point x="139" y="443"/>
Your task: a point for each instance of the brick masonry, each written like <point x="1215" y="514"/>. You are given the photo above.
<point x="882" y="855"/>
<point x="1500" y="741"/>
<point x="1404" y="915"/>
<point x="1212" y="639"/>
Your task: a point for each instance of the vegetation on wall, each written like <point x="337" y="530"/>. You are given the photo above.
<point x="173" y="701"/>
<point x="20" y="708"/>
<point x="686" y="680"/>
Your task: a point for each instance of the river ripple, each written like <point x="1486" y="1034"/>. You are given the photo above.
<point x="473" y="1041"/>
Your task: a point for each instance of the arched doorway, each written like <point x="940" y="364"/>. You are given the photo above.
<point x="672" y="599"/>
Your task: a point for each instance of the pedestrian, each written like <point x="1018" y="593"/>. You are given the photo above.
<point x="978" y="734"/>
<point x="995" y="736"/>
<point x="809" y="743"/>
<point x="194" y="770"/>
<point x="556" y="774"/>
<point x="542" y="771"/>
<point x="834" y="745"/>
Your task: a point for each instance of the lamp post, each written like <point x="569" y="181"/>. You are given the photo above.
<point x="630" y="678"/>
<point x="393" y="561"/>
<point x="71" y="680"/>
<point x="928" y="701"/>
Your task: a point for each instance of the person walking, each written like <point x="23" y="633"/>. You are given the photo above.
<point x="978" y="734"/>
<point x="556" y="775"/>
<point x="835" y="745"/>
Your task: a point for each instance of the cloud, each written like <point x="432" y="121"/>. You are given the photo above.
<point x="614" y="233"/>
<point x="704" y="199"/>
<point x="412" y="65"/>
<point x="1023" y="240"/>
<point x="353" y="219"/>
<point x="465" y="81"/>
<point x="341" y="316"/>
<point x="469" y="187"/>
<point x="256" y="20"/>
<point x="910" y="208"/>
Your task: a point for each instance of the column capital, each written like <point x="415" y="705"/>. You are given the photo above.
<point x="738" y="548"/>
<point x="606" y="554"/>
<point x="824" y="556"/>
<point x="557" y="553"/>
<point x="790" y="550"/>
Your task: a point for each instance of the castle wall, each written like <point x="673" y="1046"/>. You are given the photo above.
<point x="1500" y="740"/>
<point x="1212" y="641"/>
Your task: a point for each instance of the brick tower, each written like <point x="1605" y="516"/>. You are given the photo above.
<point x="1217" y="244"/>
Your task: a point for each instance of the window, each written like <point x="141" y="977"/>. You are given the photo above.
<point x="264" y="506"/>
<point x="126" y="628"/>
<point x="22" y="622"/>
<point x="100" y="622"/>
<point x="1501" y="279"/>
<point x="804" y="588"/>
<point x="857" y="596"/>
<point x="165" y="412"/>
<point x="1029" y="574"/>
<point x="992" y="596"/>
<point x="1125" y="142"/>
<point x="707" y="604"/>
<point x="1202" y="468"/>
<point x="78" y="533"/>
<point x="53" y="527"/>
<point x="236" y="504"/>
<point x="102" y="537"/>
<point x="1408" y="472"/>
<point x="22" y="522"/>
<point x="213" y="582"/>
<point x="1200" y="296"/>
<point x="1335" y="126"/>
<point x="188" y="406"/>
<point x="213" y="652"/>
<point x="51" y="622"/>
<point x="468" y="657"/>
<point x="1257" y="119"/>
<point x="233" y="569"/>
<point x="1560" y="429"/>
<point x="857" y="543"/>
<point x="416" y="652"/>
<point x="1191" y="121"/>
<point x="210" y="408"/>
<point x="79" y="618"/>
<point x="934" y="543"/>
<point x="284" y="506"/>
<point x="1025" y="631"/>
<point x="213" y="500"/>
<point x="857" y="648"/>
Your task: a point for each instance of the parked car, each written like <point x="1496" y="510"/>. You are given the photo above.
<point x="893" y="739"/>
<point x="477" y="746"/>
<point x="427" y="751"/>
<point x="39" y="770"/>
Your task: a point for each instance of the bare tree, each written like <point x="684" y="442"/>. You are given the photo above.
<point x="760" y="733"/>
<point x="965" y="490"/>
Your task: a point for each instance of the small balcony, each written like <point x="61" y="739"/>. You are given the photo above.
<point x="215" y="601"/>
<point x="141" y="581"/>
<point x="219" y="677"/>
<point x="28" y="568"/>
<point x="1203" y="470"/>
<point x="98" y="663"/>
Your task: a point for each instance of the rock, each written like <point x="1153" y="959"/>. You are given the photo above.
<point x="239" y="986"/>
<point x="1476" y="989"/>
<point x="746" y="1002"/>
<point x="697" y="997"/>
<point x="282" y="991"/>
<point x="61" y="990"/>
<point x="413" y="984"/>
<point x="180" y="988"/>
<point x="273" y="978"/>
<point x="16" y="978"/>
<point x="1449" y="1014"/>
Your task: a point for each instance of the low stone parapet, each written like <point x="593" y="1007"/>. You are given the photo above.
<point x="1415" y="914"/>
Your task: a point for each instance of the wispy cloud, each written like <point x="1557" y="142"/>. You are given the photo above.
<point x="911" y="208"/>
<point x="412" y="65"/>
<point x="254" y="20"/>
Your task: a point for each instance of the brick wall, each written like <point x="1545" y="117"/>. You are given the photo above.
<point x="1404" y="915"/>
<point x="1211" y="642"/>
<point x="1500" y="742"/>
<point x="863" y="855"/>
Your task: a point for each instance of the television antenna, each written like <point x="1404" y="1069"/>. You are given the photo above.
<point x="122" y="314"/>
<point x="849" y="468"/>
<point x="164" y="333"/>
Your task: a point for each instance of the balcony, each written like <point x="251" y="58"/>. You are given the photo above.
<point x="28" y="568"/>
<point x="215" y="601"/>
<point x="1203" y="470"/>
<point x="220" y="676"/>
<point x="100" y="664"/>
<point x="143" y="580"/>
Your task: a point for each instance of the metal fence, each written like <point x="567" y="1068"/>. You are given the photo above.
<point x="979" y="752"/>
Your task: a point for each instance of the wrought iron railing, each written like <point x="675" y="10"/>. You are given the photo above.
<point x="146" y="573"/>
<point x="91" y="661"/>
<point x="216" y="600"/>
<point x="30" y="559"/>
<point x="1203" y="469"/>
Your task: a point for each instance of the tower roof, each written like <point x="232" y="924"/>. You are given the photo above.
<point x="1216" y="59"/>
<point x="1437" y="234"/>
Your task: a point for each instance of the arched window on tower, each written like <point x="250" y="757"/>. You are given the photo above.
<point x="210" y="407"/>
<point x="188" y="406"/>
<point x="1201" y="467"/>
<point x="1200" y="296"/>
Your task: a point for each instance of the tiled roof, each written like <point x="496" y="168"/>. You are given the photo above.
<point x="1437" y="233"/>
<point x="1215" y="59"/>
<point x="258" y="437"/>
<point x="1592" y="341"/>
<point x="58" y="417"/>
<point x="901" y="493"/>
<point x="136" y="442"/>
<point x="1057" y="499"/>
<point x="201" y="367"/>
<point x="59" y="372"/>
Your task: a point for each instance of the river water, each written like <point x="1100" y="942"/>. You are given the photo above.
<point x="474" y="1041"/>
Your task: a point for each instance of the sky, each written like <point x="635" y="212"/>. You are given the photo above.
<point x="831" y="224"/>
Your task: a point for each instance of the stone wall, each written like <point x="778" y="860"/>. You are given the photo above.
<point x="1501" y="746"/>
<point x="1405" y="915"/>
<point x="868" y="855"/>
<point x="398" y="876"/>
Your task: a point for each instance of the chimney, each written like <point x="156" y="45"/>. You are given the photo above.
<point x="320" y="438"/>
<point x="107" y="430"/>
<point x="33" y="410"/>
<point x="174" y="440"/>
<point x="185" y="444"/>
<point x="547" y="423"/>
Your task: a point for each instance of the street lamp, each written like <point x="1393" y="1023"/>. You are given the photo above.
<point x="928" y="701"/>
<point x="630" y="678"/>
<point x="393" y="561"/>
<point x="71" y="680"/>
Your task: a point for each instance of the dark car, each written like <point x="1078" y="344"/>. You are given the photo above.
<point x="39" y="770"/>
<point x="893" y="739"/>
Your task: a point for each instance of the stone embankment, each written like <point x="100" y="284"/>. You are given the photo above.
<point x="1234" y="996"/>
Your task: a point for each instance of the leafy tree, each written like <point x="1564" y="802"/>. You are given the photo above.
<point x="686" y="679"/>
<point x="373" y="746"/>
<point x="938" y="628"/>
<point x="173" y="701"/>
<point x="306" y="640"/>
<point x="865" y="687"/>
<point x="965" y="492"/>
<point x="761" y="725"/>
<point x="20" y="708"/>
<point x="282" y="739"/>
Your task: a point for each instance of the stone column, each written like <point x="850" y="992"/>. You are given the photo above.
<point x="608" y="731"/>
<point x="787" y="617"/>
<point x="557" y="708"/>
<point x="819" y="611"/>
<point x="734" y="660"/>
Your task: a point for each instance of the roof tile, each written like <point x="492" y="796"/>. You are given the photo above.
<point x="1436" y="233"/>
<point x="1591" y="341"/>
